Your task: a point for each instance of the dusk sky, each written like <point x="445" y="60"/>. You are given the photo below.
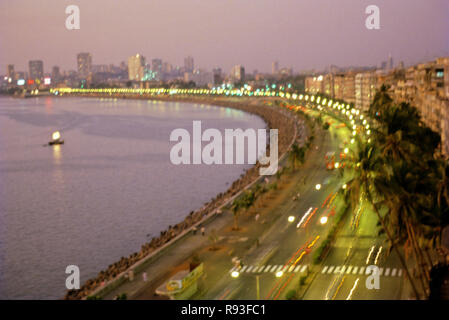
<point x="302" y="34"/>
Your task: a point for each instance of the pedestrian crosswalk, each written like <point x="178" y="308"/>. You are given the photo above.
<point x="292" y="268"/>
<point x="271" y="268"/>
<point x="356" y="270"/>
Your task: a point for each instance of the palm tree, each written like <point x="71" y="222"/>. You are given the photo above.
<point x="368" y="166"/>
<point x="408" y="177"/>
<point x="403" y="196"/>
<point x="380" y="103"/>
<point x="393" y="146"/>
<point x="443" y="184"/>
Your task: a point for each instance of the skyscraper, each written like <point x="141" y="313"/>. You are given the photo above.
<point x="136" y="66"/>
<point x="188" y="64"/>
<point x="218" y="79"/>
<point x="274" y="67"/>
<point x="55" y="74"/>
<point x="156" y="65"/>
<point x="10" y="71"/>
<point x="36" y="68"/>
<point x="84" y="60"/>
<point x="167" y="67"/>
<point x="238" y="74"/>
<point x="390" y="62"/>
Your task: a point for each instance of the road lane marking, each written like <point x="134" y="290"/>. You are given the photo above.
<point x="274" y="267"/>
<point x="330" y="269"/>
<point x="343" y="269"/>
<point x="349" y="270"/>
<point x="324" y="269"/>
<point x="244" y="268"/>
<point x="381" y="271"/>
<point x="337" y="270"/>
<point x="267" y="268"/>
<point x="400" y="273"/>
<point x="256" y="268"/>
<point x="280" y="268"/>
<point x="291" y="268"/>
<point x="393" y="272"/>
<point x="355" y="270"/>
<point x="297" y="268"/>
<point x="303" y="268"/>
<point x="249" y="269"/>
<point x="387" y="272"/>
<point x="233" y="269"/>
<point x="361" y="270"/>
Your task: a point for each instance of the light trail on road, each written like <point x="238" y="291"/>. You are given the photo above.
<point x="369" y="254"/>
<point x="282" y="284"/>
<point x="353" y="289"/>
<point x="378" y="255"/>
<point x="310" y="217"/>
<point x="304" y="217"/>
<point x="339" y="287"/>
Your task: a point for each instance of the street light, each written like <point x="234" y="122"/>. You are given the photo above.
<point x="323" y="220"/>
<point x="318" y="186"/>
<point x="336" y="165"/>
<point x="235" y="274"/>
<point x="346" y="150"/>
<point x="279" y="274"/>
<point x="344" y="186"/>
<point x="291" y="219"/>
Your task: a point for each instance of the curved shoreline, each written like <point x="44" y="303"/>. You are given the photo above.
<point x="273" y="116"/>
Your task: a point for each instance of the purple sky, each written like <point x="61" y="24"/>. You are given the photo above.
<point x="303" y="34"/>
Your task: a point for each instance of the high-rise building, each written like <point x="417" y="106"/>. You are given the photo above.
<point x="365" y="89"/>
<point x="237" y="74"/>
<point x="10" y="71"/>
<point x="188" y="64"/>
<point x="136" y="66"/>
<point x="275" y="67"/>
<point x="55" y="74"/>
<point x="157" y="68"/>
<point x="349" y="88"/>
<point x="36" y="68"/>
<point x="123" y="66"/>
<point x="166" y="68"/>
<point x="200" y="77"/>
<point x="390" y="62"/>
<point x="84" y="60"/>
<point x="218" y="78"/>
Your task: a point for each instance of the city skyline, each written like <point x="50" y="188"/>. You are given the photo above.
<point x="297" y="42"/>
<point x="48" y="67"/>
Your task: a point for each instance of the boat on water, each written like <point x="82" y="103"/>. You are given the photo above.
<point x="56" y="139"/>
